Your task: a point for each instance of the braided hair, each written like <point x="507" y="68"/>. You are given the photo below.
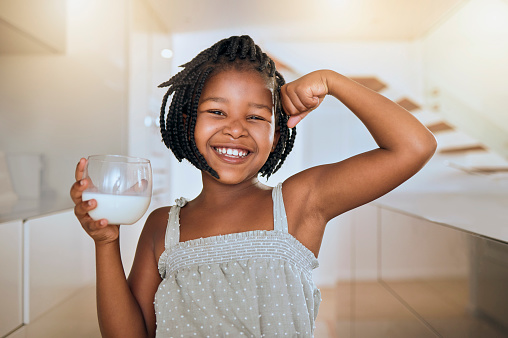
<point x="178" y="124"/>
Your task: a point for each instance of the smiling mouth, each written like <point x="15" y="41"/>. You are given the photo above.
<point x="231" y="152"/>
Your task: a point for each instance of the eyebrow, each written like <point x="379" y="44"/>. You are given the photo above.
<point x="224" y="100"/>
<point x="214" y="99"/>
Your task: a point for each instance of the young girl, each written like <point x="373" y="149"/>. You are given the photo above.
<point x="237" y="259"/>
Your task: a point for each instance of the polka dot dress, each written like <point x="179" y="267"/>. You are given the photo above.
<point x="249" y="284"/>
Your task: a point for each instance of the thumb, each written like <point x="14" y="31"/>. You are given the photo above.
<point x="295" y="119"/>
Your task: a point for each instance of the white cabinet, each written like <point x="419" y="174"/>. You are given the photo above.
<point x="454" y="282"/>
<point x="412" y="277"/>
<point x="47" y="276"/>
<point x="58" y="261"/>
<point x="10" y="276"/>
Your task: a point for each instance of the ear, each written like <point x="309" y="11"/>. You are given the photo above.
<point x="275" y="138"/>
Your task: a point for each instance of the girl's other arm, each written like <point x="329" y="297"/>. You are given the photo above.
<point x="405" y="145"/>
<point x="120" y="314"/>
<point x="144" y="278"/>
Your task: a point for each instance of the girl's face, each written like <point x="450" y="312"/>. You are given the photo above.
<point x="235" y="127"/>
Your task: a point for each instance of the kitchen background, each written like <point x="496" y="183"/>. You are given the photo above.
<point x="80" y="78"/>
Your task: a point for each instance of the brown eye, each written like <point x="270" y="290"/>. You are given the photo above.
<point x="256" y="117"/>
<point x="216" y="112"/>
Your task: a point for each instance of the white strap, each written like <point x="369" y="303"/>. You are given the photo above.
<point x="173" y="228"/>
<point x="280" y="222"/>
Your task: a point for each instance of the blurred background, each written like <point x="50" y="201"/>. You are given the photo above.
<point x="427" y="260"/>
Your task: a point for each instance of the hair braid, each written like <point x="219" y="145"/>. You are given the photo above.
<point x="176" y="105"/>
<point x="203" y="165"/>
<point x="164" y="131"/>
<point x="178" y="124"/>
<point x="246" y="48"/>
<point x="232" y="49"/>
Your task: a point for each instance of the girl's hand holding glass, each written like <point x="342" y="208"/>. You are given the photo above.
<point x="121" y="185"/>
<point x="112" y="190"/>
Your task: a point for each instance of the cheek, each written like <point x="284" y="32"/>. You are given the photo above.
<point x="203" y="131"/>
<point x="266" y="135"/>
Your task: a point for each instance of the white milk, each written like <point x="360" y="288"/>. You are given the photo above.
<point x="117" y="209"/>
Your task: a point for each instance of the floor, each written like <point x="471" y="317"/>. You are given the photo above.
<point x="74" y="318"/>
<point x="391" y="310"/>
<point x="416" y="309"/>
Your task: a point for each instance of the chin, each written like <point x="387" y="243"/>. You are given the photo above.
<point x="233" y="179"/>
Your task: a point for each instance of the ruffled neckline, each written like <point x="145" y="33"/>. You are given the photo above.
<point x="242" y="235"/>
<point x="204" y="241"/>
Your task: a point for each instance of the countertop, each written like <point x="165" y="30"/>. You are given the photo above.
<point x="482" y="214"/>
<point x="473" y="203"/>
<point x="23" y="209"/>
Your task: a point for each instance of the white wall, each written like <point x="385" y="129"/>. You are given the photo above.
<point x="466" y="58"/>
<point x="72" y="104"/>
<point x="147" y="69"/>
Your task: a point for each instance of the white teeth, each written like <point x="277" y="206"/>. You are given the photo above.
<point x="232" y="152"/>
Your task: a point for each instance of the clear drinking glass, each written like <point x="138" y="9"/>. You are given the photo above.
<point x="121" y="185"/>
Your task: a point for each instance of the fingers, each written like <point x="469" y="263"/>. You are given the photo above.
<point x="297" y="104"/>
<point x="295" y="119"/>
<point x="81" y="211"/>
<point x="80" y="169"/>
<point x="303" y="95"/>
<point x="139" y="186"/>
<point x="99" y="230"/>
<point x="94" y="226"/>
<point x="77" y="190"/>
<point x="81" y="184"/>
<point x="82" y="208"/>
<point x="296" y="101"/>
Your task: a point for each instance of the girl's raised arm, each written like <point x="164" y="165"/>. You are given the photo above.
<point x="405" y="145"/>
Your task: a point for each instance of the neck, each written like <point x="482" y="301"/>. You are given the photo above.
<point x="218" y="193"/>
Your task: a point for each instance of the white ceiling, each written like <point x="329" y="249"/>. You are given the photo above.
<point x="309" y="19"/>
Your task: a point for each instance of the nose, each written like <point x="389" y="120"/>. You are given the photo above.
<point x="235" y="128"/>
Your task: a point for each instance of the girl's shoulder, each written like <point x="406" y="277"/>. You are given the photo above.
<point x="154" y="230"/>
<point x="299" y="189"/>
<point x="303" y="214"/>
<point x="302" y="202"/>
<point x="159" y="213"/>
<point x="157" y="221"/>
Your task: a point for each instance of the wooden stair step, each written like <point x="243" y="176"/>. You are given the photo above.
<point x="408" y="104"/>
<point x="487" y="170"/>
<point x="481" y="170"/>
<point x="440" y="126"/>
<point x="370" y="82"/>
<point x="462" y="149"/>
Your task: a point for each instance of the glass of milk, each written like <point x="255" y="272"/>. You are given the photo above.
<point x="121" y="185"/>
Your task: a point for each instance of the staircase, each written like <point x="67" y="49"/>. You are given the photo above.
<point x="466" y="140"/>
